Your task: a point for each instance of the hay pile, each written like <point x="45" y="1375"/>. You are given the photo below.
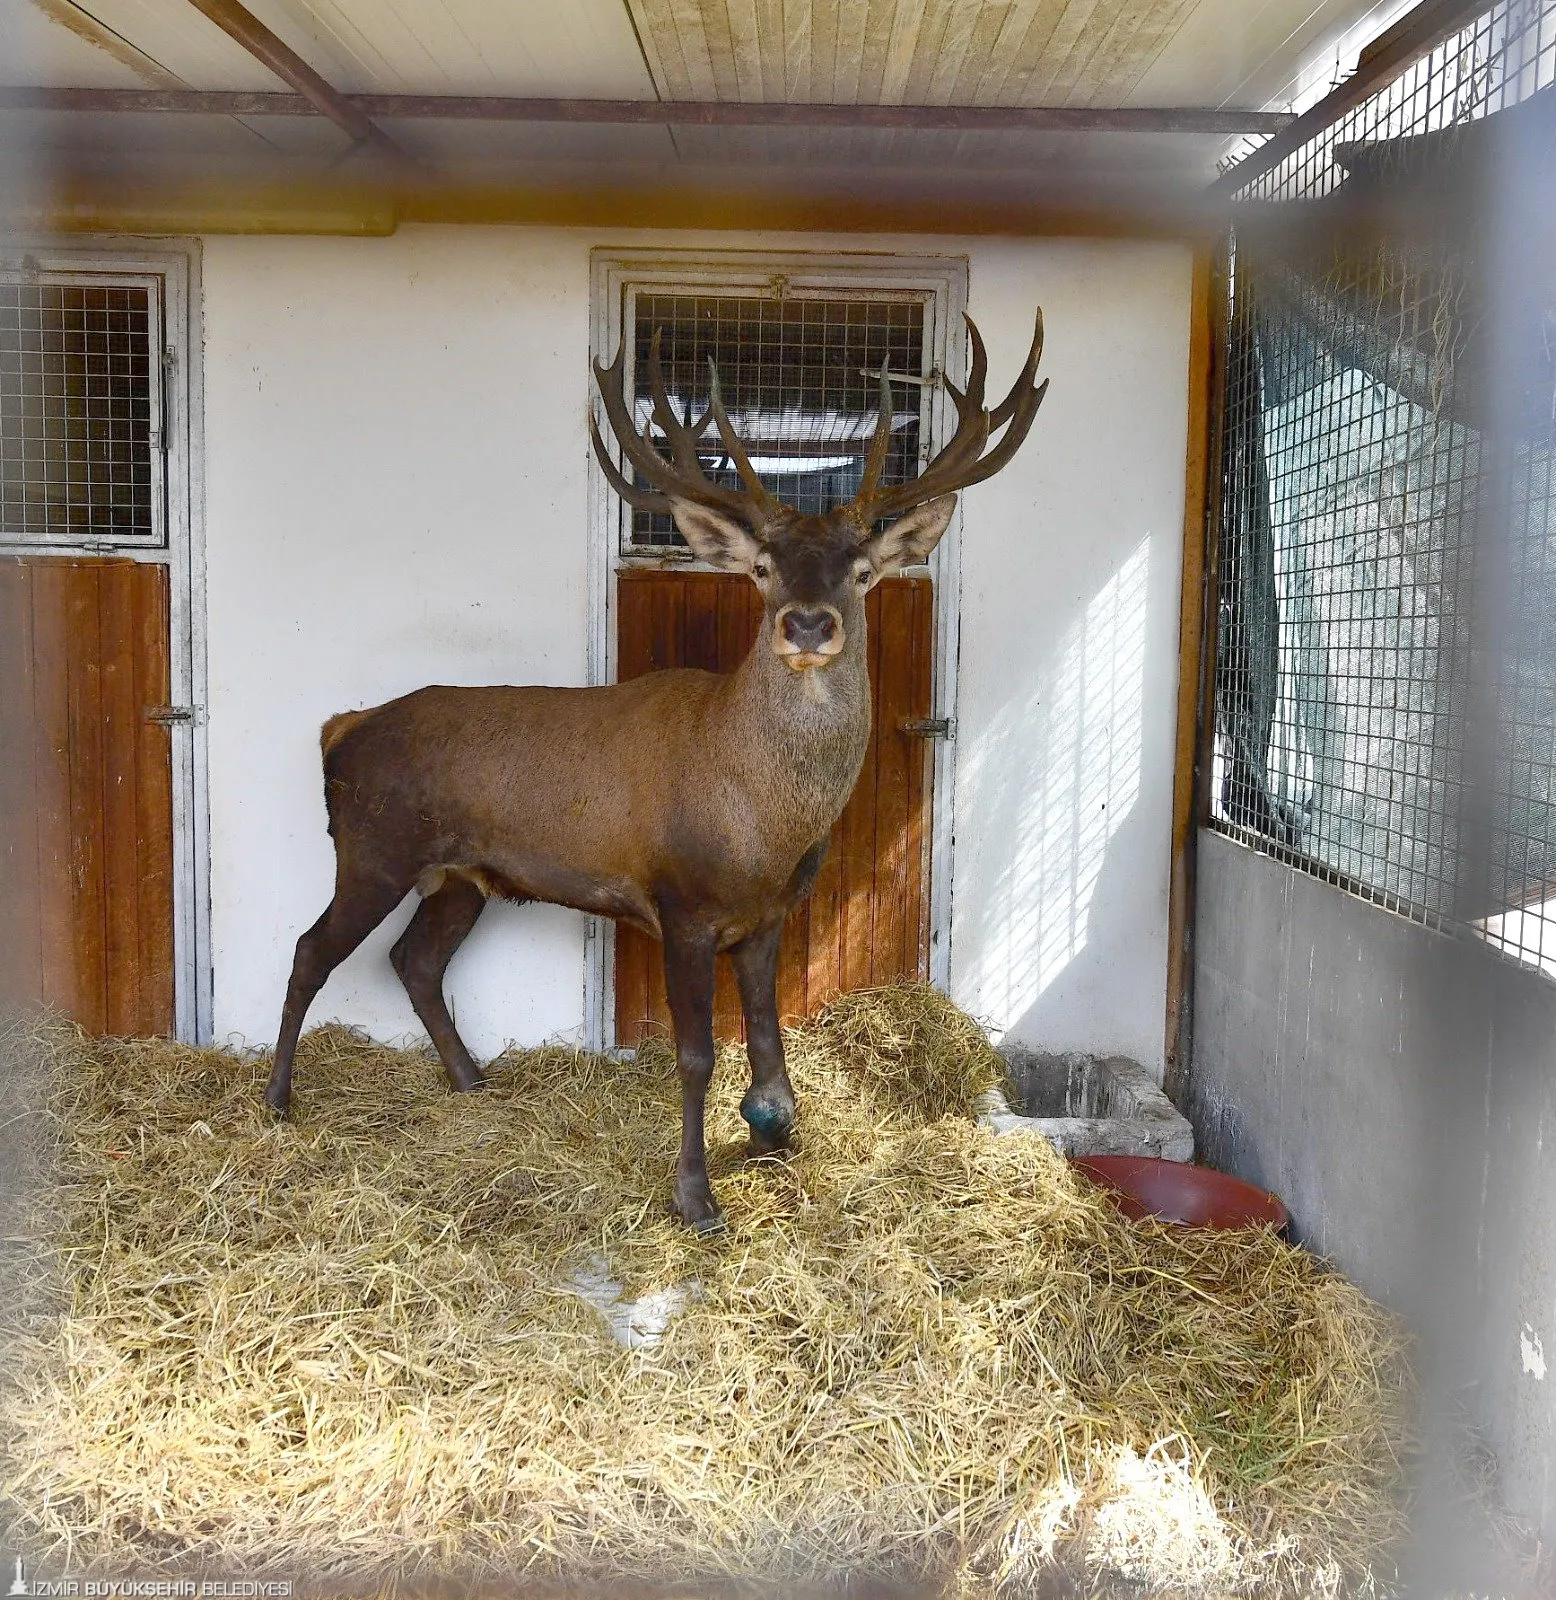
<point x="344" y="1346"/>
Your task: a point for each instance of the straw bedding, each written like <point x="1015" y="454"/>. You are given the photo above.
<point x="346" y="1346"/>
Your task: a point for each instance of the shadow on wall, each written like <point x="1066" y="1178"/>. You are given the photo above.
<point x="1059" y="771"/>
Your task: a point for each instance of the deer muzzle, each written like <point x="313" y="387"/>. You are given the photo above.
<point x="807" y="636"/>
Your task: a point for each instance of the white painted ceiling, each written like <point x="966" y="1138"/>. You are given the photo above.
<point x="509" y="47"/>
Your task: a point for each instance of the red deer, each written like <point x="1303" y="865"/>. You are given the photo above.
<point x="694" y="805"/>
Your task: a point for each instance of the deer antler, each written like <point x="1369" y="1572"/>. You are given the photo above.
<point x="681" y="477"/>
<point x="962" y="462"/>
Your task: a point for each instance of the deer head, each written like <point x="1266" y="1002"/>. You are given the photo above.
<point x="813" y="571"/>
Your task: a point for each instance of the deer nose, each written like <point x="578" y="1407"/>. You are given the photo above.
<point x="809" y="630"/>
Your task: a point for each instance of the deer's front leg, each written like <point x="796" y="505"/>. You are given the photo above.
<point x="689" y="952"/>
<point x="768" y="1106"/>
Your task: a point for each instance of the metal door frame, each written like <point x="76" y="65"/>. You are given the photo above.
<point x="942" y="282"/>
<point x="172" y="267"/>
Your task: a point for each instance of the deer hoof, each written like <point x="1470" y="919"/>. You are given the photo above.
<point x="467" y="1082"/>
<point x="279" y="1101"/>
<point x="695" y="1206"/>
<point x="769" y="1113"/>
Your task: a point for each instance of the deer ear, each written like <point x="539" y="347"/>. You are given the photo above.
<point x="715" y="538"/>
<point x="910" y="538"/>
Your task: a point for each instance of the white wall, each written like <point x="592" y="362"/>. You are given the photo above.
<point x="396" y="469"/>
<point x="1069" y="661"/>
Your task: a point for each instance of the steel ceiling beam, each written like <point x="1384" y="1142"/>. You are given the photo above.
<point x="354" y="112"/>
<point x="239" y="23"/>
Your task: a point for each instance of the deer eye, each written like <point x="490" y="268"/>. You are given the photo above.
<point x="759" y="569"/>
<point x="862" y="577"/>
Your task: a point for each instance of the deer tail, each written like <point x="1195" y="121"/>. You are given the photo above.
<point x="337" y="728"/>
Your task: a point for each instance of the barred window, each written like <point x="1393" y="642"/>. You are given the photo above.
<point x="80" y="445"/>
<point x="798" y="379"/>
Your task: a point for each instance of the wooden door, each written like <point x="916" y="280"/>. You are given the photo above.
<point x="86" y="809"/>
<point x="867" y="921"/>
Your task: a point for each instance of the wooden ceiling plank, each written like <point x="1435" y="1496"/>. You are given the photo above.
<point x="975" y="64"/>
<point x="719" y="42"/>
<point x="877" y="43"/>
<point x="656" y="32"/>
<point x="823" y="52"/>
<point x="1030" y="56"/>
<point x="693" y="50"/>
<point x="946" y="65"/>
<point x="853" y="18"/>
<point x="1077" y="83"/>
<point x="680" y="44"/>
<point x="798" y="38"/>
<point x="928" y="50"/>
<point x="901" y="43"/>
<point x="1076" y="27"/>
<point x="1018" y="18"/>
<point x="771" y="43"/>
<point x="1123" y="72"/>
<point x="702" y="26"/>
<point x="745" y="39"/>
<point x="1072" y="46"/>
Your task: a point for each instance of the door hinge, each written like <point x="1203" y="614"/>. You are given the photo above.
<point x="930" y="728"/>
<point x="173" y="716"/>
<point x="163" y="434"/>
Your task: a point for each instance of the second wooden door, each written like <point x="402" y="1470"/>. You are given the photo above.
<point x="86" y="857"/>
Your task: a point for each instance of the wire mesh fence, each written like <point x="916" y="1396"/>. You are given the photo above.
<point x="798" y="379"/>
<point x="77" y="447"/>
<point x="1386" y="651"/>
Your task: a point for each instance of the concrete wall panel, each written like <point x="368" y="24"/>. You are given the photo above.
<point x="1395" y="1086"/>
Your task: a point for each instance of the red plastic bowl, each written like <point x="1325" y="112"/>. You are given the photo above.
<point x="1173" y="1191"/>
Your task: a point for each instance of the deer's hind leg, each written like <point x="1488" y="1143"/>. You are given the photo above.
<point x="689" y="953"/>
<point x="421" y="956"/>
<point x="361" y="902"/>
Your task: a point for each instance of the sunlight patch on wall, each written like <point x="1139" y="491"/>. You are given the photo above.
<point x="1068" y="758"/>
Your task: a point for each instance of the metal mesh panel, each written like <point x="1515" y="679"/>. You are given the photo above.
<point x="798" y="379"/>
<point x="76" y="446"/>
<point x="1386" y="661"/>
